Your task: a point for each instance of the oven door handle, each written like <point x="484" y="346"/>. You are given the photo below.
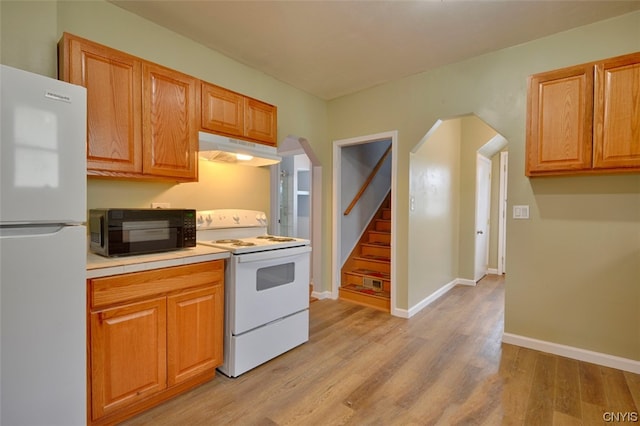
<point x="272" y="254"/>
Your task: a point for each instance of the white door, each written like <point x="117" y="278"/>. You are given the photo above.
<point x="42" y="149"/>
<point x="43" y="331"/>
<point x="483" y="204"/>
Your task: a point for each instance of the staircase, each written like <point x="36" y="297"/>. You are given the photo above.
<point x="366" y="275"/>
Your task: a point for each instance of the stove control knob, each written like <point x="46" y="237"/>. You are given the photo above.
<point x="236" y="218"/>
<point x="209" y="220"/>
<point x="200" y="220"/>
<point x="263" y="218"/>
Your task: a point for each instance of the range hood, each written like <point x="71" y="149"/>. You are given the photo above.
<point x="235" y="151"/>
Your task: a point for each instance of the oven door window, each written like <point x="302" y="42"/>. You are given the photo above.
<point x="275" y="276"/>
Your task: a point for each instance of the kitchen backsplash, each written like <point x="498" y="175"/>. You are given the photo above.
<point x="219" y="186"/>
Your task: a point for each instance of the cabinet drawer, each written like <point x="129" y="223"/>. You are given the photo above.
<point x="137" y="285"/>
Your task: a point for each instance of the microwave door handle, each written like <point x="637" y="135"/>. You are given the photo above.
<point x="272" y="254"/>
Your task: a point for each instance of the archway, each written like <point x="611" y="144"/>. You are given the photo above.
<point x="442" y="195"/>
<point x="293" y="146"/>
<point x="337" y="213"/>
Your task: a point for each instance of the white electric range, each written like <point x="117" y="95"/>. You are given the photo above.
<point x="266" y="287"/>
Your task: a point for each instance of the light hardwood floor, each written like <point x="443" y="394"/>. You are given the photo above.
<point x="446" y="365"/>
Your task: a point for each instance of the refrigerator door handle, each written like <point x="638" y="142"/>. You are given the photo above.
<point x="29" y="231"/>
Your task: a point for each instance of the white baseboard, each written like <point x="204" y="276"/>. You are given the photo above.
<point x="426" y="301"/>
<point x="404" y="313"/>
<point x="492" y="271"/>
<point x="464" y="281"/>
<point x="401" y="313"/>
<point x="321" y="294"/>
<point x="573" y="353"/>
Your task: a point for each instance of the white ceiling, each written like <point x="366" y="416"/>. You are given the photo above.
<point x="334" y="48"/>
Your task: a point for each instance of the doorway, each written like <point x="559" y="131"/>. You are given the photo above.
<point x="442" y="207"/>
<point x="337" y="213"/>
<point x="294" y="195"/>
<point x="296" y="200"/>
<point x="483" y="210"/>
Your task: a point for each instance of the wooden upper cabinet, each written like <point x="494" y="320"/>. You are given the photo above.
<point x="617" y="113"/>
<point x="222" y="110"/>
<point x="559" y="121"/>
<point x="142" y="118"/>
<point x="112" y="79"/>
<point x="261" y="121"/>
<point x="233" y="114"/>
<point x="585" y="119"/>
<point x="170" y="122"/>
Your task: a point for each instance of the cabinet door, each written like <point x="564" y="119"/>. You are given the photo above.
<point x="170" y="125"/>
<point x="222" y="110"/>
<point x="194" y="327"/>
<point x="128" y="354"/>
<point x="559" y="120"/>
<point x="112" y="79"/>
<point x="261" y="121"/>
<point x="617" y="113"/>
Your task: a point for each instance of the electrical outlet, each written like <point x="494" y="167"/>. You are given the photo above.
<point x="160" y="205"/>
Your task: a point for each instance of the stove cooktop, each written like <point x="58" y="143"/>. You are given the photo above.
<point x="254" y="244"/>
<point x="240" y="231"/>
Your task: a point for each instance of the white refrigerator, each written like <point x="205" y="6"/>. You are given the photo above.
<point x="42" y="250"/>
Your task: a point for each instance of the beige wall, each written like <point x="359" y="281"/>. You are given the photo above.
<point x="574" y="267"/>
<point x="29" y="33"/>
<point x="475" y="134"/>
<point x="434" y="222"/>
<point x="220" y="186"/>
<point x="495" y="210"/>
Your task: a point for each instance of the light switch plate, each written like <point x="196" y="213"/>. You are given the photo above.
<point x="521" y="212"/>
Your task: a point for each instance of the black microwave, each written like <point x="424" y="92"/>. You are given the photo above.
<point x="124" y="232"/>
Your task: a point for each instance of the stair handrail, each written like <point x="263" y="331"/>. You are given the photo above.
<point x="367" y="182"/>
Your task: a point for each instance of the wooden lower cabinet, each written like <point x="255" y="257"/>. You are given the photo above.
<point x="128" y="354"/>
<point x="151" y="336"/>
<point x="192" y="333"/>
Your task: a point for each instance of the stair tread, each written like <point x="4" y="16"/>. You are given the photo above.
<point x="374" y="258"/>
<point x="369" y="263"/>
<point x="369" y="272"/>
<point x="366" y="290"/>
<point x="377" y="244"/>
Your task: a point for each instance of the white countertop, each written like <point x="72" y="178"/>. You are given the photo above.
<point x="100" y="266"/>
